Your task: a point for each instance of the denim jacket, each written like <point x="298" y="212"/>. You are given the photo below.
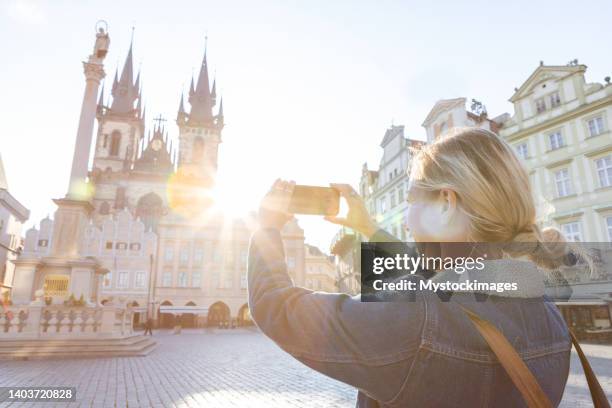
<point x="424" y="353"/>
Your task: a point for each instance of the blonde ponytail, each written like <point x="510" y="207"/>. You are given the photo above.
<point x="494" y="192"/>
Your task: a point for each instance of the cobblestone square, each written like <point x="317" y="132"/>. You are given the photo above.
<point x="227" y="368"/>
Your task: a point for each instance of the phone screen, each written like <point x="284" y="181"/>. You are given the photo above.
<point x="314" y="200"/>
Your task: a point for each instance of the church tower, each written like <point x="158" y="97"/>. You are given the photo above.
<point x="200" y="130"/>
<point x="120" y="123"/>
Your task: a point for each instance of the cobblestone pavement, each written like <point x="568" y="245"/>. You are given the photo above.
<point x="231" y="368"/>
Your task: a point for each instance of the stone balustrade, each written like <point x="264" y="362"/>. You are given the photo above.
<point x="37" y="321"/>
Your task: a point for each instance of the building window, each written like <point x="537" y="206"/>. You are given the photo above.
<point x="108" y="279"/>
<point x="383" y="205"/>
<point x="400" y="195"/>
<point x="121" y="246"/>
<point x="556" y="140"/>
<point x="443" y="127"/>
<point x="182" y="279"/>
<point x="115" y="143"/>
<point x="563" y="182"/>
<point x="540" y="105"/>
<point x="572" y="231"/>
<point x="198" y="256"/>
<point x="609" y="226"/>
<point x="167" y="279"/>
<point x="596" y="126"/>
<point x="555" y="100"/>
<point x="196" y="279"/>
<point x="135" y="246"/>
<point x="393" y="199"/>
<point x="139" y="281"/>
<point x="522" y="151"/>
<point x="44" y="243"/>
<point x="604" y="171"/>
<point x="168" y="255"/>
<point x="122" y="280"/>
<point x="184" y="256"/>
<point x="109" y="245"/>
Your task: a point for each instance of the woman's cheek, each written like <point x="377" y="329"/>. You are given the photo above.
<point x="424" y="222"/>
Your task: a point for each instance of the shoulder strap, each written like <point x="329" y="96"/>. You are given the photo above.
<point x="520" y="374"/>
<point x="599" y="397"/>
<point x="517" y="370"/>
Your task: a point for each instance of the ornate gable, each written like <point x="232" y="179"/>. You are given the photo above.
<point x="545" y="73"/>
<point x="443" y="105"/>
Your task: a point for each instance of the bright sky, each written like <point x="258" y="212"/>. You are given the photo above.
<point x="309" y="87"/>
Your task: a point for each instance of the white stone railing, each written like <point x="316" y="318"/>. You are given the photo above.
<point x="60" y="322"/>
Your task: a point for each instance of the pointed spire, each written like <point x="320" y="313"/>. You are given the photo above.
<point x="116" y="80"/>
<point x="201" y="100"/>
<point x="191" y="87"/>
<point x="181" y="111"/>
<point x="220" y="118"/>
<point x="125" y="91"/>
<point x="213" y="93"/>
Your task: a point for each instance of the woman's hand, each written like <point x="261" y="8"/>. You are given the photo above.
<point x="273" y="211"/>
<point x="358" y="217"/>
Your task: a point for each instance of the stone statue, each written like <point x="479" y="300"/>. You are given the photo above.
<point x="102" y="43"/>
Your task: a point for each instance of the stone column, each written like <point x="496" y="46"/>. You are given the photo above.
<point x="94" y="72"/>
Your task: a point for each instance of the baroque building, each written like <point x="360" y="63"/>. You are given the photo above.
<point x="561" y="131"/>
<point x="159" y="242"/>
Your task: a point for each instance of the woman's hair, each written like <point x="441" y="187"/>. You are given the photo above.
<point x="493" y="190"/>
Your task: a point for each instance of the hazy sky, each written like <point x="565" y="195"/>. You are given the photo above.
<point x="309" y="87"/>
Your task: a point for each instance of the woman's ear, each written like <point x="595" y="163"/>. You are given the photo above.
<point x="449" y="202"/>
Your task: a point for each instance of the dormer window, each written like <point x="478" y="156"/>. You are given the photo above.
<point x="540" y="105"/>
<point x="443" y="127"/>
<point x="555" y="100"/>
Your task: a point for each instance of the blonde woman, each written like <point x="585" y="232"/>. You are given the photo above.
<point x="468" y="187"/>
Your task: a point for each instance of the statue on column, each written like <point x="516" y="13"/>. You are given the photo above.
<point x="102" y="43"/>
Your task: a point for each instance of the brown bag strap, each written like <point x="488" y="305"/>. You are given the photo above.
<point x="597" y="394"/>
<point x="519" y="373"/>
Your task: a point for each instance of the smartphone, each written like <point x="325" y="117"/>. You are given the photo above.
<point x="314" y="200"/>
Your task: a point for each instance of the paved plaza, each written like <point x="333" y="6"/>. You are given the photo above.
<point x="227" y="368"/>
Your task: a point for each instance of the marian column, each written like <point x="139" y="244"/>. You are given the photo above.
<point x="74" y="210"/>
<point x="94" y="72"/>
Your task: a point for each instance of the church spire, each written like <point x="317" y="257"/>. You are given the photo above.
<point x="220" y="118"/>
<point x="180" y="117"/>
<point x="201" y="99"/>
<point x="125" y="91"/>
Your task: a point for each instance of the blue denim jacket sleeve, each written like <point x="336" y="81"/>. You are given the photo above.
<point x="370" y="346"/>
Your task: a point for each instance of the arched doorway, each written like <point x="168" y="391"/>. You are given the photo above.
<point x="244" y="316"/>
<point x="136" y="316"/>
<point x="218" y="314"/>
<point x="188" y="319"/>
<point x="166" y="320"/>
